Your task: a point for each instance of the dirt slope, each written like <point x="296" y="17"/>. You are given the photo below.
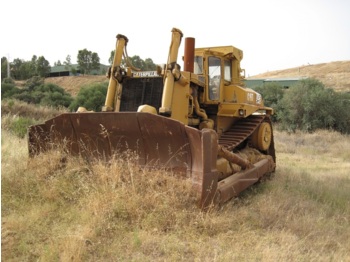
<point x="72" y="84"/>
<point x="334" y="74"/>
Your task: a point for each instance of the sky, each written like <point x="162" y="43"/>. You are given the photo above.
<point x="273" y="34"/>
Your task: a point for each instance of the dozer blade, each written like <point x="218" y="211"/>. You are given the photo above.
<point x="158" y="142"/>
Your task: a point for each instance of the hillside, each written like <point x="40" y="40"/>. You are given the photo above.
<point x="72" y="84"/>
<point x="334" y="74"/>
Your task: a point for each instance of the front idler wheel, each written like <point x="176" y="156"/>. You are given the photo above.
<point x="262" y="136"/>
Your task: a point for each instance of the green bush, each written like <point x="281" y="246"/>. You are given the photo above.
<point x="33" y="82"/>
<point x="309" y="105"/>
<point x="37" y="92"/>
<point x="52" y="95"/>
<point x="8" y="90"/>
<point x="272" y="93"/>
<point x="92" y="97"/>
<point x="8" y="80"/>
<point x="25" y="96"/>
<point x="342" y="112"/>
<point x="19" y="126"/>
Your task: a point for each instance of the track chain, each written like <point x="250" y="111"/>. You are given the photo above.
<point x="240" y="131"/>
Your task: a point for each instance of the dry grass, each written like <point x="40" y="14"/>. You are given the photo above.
<point x="23" y="109"/>
<point x="324" y="154"/>
<point x="83" y="211"/>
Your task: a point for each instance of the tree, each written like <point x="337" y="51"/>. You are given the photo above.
<point x="58" y="63"/>
<point x="16" y="68"/>
<point x="95" y="61"/>
<point x="68" y="65"/>
<point x="68" y="62"/>
<point x="43" y="68"/>
<point x="4" y="64"/>
<point x="87" y="61"/>
<point x="149" y="65"/>
<point x="22" y="70"/>
<point x="137" y="62"/>
<point x="32" y="67"/>
<point x="111" y="57"/>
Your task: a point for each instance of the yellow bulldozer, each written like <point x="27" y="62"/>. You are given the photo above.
<point x="199" y="122"/>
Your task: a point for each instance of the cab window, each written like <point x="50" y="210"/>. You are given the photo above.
<point x="227" y="70"/>
<point x="214" y="72"/>
<point x="198" y="65"/>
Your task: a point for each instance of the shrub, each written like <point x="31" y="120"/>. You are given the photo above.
<point x="36" y="92"/>
<point x="34" y="82"/>
<point x="24" y="96"/>
<point x="342" y="112"/>
<point x="8" y="90"/>
<point x="19" y="126"/>
<point x="8" y="80"/>
<point x="92" y="97"/>
<point x="272" y="93"/>
<point x="52" y="95"/>
<point x="309" y="105"/>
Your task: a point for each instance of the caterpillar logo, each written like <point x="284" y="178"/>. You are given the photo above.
<point x="145" y="74"/>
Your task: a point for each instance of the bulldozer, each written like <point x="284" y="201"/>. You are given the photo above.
<point x="199" y="122"/>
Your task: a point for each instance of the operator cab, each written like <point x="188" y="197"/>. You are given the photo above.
<point x="217" y="68"/>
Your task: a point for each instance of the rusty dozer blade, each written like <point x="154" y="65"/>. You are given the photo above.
<point x="158" y="141"/>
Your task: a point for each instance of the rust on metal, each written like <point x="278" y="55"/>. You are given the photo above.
<point x="158" y="141"/>
<point x="189" y="54"/>
<point x="106" y="133"/>
<point x="233" y="185"/>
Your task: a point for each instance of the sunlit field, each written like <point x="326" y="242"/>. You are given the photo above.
<point x="73" y="210"/>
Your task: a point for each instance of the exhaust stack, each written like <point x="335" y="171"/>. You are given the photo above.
<point x="189" y="54"/>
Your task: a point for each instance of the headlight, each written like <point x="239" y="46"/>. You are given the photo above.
<point x="258" y="99"/>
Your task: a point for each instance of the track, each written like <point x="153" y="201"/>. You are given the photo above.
<point x="241" y="130"/>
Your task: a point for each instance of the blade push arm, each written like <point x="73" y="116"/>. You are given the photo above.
<point x="115" y="75"/>
<point x="172" y="74"/>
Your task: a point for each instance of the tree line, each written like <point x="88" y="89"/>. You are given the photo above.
<point x="86" y="60"/>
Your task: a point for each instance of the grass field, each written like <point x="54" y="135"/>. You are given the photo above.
<point x="79" y="211"/>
